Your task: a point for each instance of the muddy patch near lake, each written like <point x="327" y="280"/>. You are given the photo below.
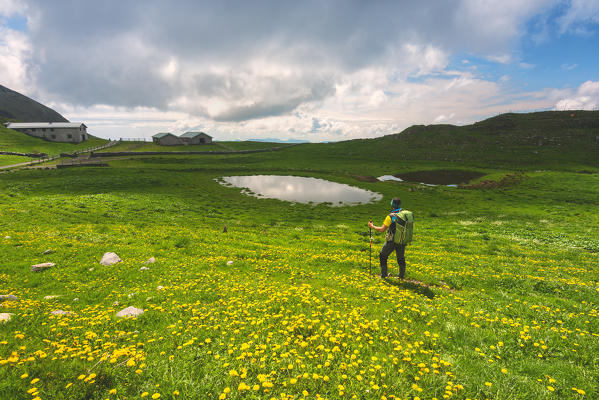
<point x="440" y="176"/>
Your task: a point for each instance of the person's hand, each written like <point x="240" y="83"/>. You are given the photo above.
<point x="370" y="224"/>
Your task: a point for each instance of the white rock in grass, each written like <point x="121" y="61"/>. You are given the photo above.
<point x="144" y="269"/>
<point x="50" y="297"/>
<point x="150" y="260"/>
<point x="7" y="297"/>
<point x="229" y="262"/>
<point x="60" y="312"/>
<point x="6" y="237"/>
<point x="160" y="287"/>
<point x="49" y="251"/>
<point x="130" y="312"/>
<point x="110" y="258"/>
<point x="42" y="266"/>
<point x="4" y="317"/>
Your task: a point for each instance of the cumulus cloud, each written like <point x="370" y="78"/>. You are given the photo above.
<point x="579" y="16"/>
<point x="15" y="50"/>
<point x="245" y="69"/>
<point x="585" y="98"/>
<point x="11" y="7"/>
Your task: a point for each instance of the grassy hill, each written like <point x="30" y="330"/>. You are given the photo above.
<point x="552" y="139"/>
<point x="13" y="141"/>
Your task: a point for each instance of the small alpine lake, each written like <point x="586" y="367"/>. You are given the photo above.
<point x="301" y="189"/>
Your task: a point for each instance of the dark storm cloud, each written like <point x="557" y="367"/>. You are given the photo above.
<point x="115" y="52"/>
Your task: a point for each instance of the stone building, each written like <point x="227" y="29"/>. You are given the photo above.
<point x="167" y="139"/>
<point x="196" y="138"/>
<point x="69" y="132"/>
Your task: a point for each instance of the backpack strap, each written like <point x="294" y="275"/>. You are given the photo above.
<point x="397" y="217"/>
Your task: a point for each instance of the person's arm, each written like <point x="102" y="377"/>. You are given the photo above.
<point x="379" y="229"/>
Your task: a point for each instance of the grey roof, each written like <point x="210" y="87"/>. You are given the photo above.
<point x="194" y="134"/>
<point x="29" y="125"/>
<point x="162" y="134"/>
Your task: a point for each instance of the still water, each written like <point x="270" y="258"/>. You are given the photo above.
<point x="300" y="189"/>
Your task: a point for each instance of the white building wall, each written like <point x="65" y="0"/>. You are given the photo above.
<point x="69" y="135"/>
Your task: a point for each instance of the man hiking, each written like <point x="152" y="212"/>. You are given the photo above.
<point x="400" y="225"/>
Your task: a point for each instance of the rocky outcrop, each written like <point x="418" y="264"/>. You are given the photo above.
<point x="42" y="266"/>
<point x="110" y="258"/>
<point x="129" y="312"/>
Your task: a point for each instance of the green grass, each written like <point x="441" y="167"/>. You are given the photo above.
<point x="249" y="145"/>
<point x="509" y="310"/>
<point x="10" y="160"/>
<point x="215" y="146"/>
<point x="500" y="301"/>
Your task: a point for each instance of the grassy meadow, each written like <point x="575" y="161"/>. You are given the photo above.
<point x="500" y="299"/>
<point x="214" y="146"/>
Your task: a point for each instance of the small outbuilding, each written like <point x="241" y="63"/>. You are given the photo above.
<point x="69" y="132"/>
<point x="167" y="139"/>
<point x="196" y="138"/>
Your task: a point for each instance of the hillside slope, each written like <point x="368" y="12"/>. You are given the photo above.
<point x="15" y="106"/>
<point x="552" y="136"/>
<point x="552" y="139"/>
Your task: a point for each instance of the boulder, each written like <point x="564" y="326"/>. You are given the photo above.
<point x="60" y="312"/>
<point x="41" y="267"/>
<point x="4" y="317"/>
<point x="7" y="297"/>
<point x="129" y="312"/>
<point x="150" y="260"/>
<point x="229" y="262"/>
<point x="110" y="258"/>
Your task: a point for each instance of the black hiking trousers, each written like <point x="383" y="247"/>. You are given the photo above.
<point x="387" y="249"/>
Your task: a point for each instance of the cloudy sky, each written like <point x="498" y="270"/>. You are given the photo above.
<point x="313" y="70"/>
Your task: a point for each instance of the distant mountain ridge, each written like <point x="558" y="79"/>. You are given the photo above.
<point x="18" y="107"/>
<point x="276" y="140"/>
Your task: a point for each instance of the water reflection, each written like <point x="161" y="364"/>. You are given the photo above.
<point x="302" y="190"/>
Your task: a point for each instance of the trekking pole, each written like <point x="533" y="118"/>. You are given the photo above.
<point x="370" y="262"/>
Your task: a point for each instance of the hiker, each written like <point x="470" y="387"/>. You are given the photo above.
<point x="400" y="224"/>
